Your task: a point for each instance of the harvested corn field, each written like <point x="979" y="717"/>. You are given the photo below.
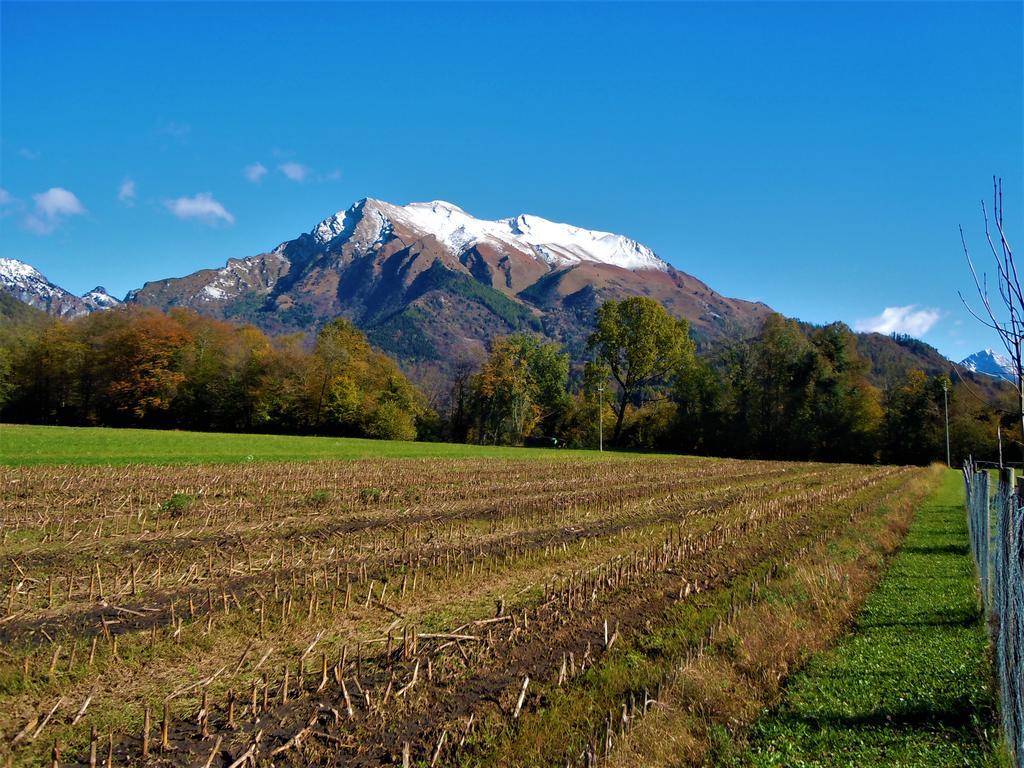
<point x="390" y="612"/>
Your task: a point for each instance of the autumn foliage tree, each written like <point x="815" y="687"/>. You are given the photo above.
<point x="139" y="367"/>
<point x="356" y="390"/>
<point x="136" y="364"/>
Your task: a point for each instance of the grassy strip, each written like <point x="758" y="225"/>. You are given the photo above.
<point x="26" y="445"/>
<point x="909" y="686"/>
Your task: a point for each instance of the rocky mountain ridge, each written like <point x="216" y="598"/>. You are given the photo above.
<point x="431" y="285"/>
<point x="29" y="285"/>
<point x="990" y="363"/>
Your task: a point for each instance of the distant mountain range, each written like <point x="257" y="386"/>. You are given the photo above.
<point x="28" y="285"/>
<point x="431" y="285"/>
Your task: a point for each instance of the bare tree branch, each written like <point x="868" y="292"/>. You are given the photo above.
<point x="1009" y="322"/>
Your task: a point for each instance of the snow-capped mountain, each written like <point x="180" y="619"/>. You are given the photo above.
<point x="98" y="298"/>
<point x="990" y="363"/>
<point x="29" y="285"/>
<point x="522" y="249"/>
<point x="432" y="284"/>
<point x="558" y="245"/>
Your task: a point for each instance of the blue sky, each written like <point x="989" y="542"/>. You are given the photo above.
<point x="815" y="156"/>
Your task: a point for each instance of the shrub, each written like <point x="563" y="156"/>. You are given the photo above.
<point x="390" y="422"/>
<point x="318" y="498"/>
<point x="178" y="504"/>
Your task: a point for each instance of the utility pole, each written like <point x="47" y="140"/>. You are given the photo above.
<point x="600" y="418"/>
<point x="945" y="403"/>
<point x="999" y="437"/>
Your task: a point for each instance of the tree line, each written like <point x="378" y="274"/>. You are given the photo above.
<point x="791" y="392"/>
<point x="138" y="367"/>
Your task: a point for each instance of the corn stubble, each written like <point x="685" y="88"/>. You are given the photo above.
<point x="376" y="612"/>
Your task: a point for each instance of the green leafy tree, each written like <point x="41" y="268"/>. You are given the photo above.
<point x="6" y="384"/>
<point x="845" y="412"/>
<point x="915" y="420"/>
<point x="699" y="419"/>
<point x="771" y="379"/>
<point x="45" y="378"/>
<point x="973" y="426"/>
<point x="520" y="388"/>
<point x="389" y="421"/>
<point x="642" y="346"/>
<point x="336" y="344"/>
<point x="583" y="415"/>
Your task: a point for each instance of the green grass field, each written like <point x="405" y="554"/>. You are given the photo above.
<point x="20" y="445"/>
<point x="908" y="687"/>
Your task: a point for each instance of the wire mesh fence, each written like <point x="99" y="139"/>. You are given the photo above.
<point x="996" y="531"/>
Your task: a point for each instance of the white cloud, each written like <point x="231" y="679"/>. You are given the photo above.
<point x="126" y="192"/>
<point x="28" y="154"/>
<point x="5" y="197"/>
<point x="51" y="208"/>
<point x="201" y="206"/>
<point x="294" y="171"/>
<point x="908" y="319"/>
<point x="57" y="201"/>
<point x="333" y="175"/>
<point x="255" y="172"/>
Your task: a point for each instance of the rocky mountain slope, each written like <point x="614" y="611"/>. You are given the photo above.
<point x="990" y="363"/>
<point x="27" y="284"/>
<point x="431" y="284"/>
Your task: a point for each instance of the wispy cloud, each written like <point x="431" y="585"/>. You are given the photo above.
<point x="909" y="319"/>
<point x="126" y="192"/>
<point x="291" y="169"/>
<point x="11" y="206"/>
<point x="294" y="171"/>
<point x="174" y="129"/>
<point x="201" y="206"/>
<point x="28" y="154"/>
<point x="255" y="172"/>
<point x="51" y="208"/>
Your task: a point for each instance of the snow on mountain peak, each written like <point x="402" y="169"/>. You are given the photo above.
<point x="557" y="244"/>
<point x="27" y="284"/>
<point x="565" y="243"/>
<point x="990" y="363"/>
<point x="15" y="271"/>
<point x="98" y="298"/>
